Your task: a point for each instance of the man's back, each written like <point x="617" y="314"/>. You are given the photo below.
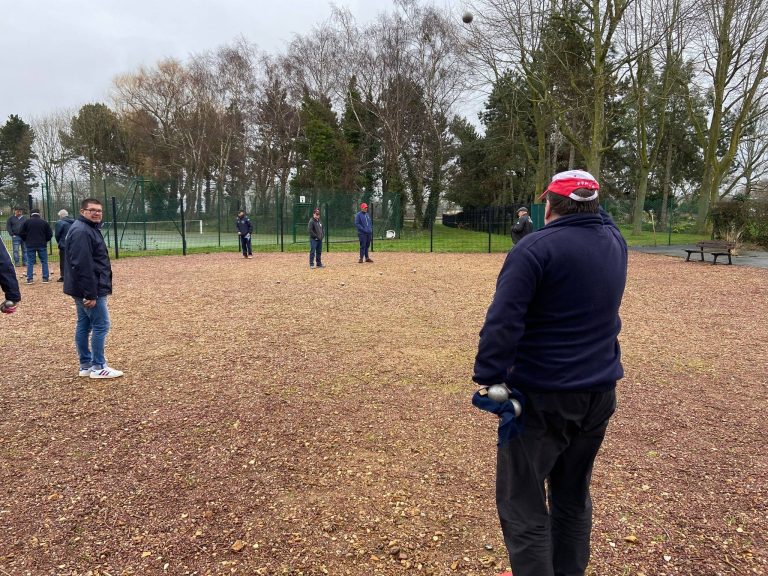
<point x="554" y="318"/>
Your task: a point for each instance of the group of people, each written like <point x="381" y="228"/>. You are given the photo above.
<point x="363" y="224"/>
<point x="30" y="237"/>
<point x="86" y="273"/>
<point x="550" y="339"/>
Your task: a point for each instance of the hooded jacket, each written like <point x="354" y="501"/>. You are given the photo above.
<point x="61" y="228"/>
<point x="87" y="261"/>
<point x="8" y="282"/>
<point x="554" y="320"/>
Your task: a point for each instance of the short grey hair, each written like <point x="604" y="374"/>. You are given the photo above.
<point x="63" y="213"/>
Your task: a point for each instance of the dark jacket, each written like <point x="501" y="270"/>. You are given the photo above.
<point x="36" y="232"/>
<point x="521" y="228"/>
<point x="315" y="229"/>
<point x="244" y="226"/>
<point x="554" y="320"/>
<point x="13" y="225"/>
<point x="89" y="272"/>
<point x="8" y="282"/>
<point x="60" y="230"/>
<point x="363" y="223"/>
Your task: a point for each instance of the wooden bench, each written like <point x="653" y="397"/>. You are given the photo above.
<point x="715" y="247"/>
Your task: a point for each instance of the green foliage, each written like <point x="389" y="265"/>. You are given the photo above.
<point x="97" y="141"/>
<point x="16" y="156"/>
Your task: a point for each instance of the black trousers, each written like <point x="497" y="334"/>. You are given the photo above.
<point x="61" y="262"/>
<point x="542" y="482"/>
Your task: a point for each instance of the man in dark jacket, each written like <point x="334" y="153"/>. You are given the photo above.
<point x="244" y="231"/>
<point x="13" y="226"/>
<point x="316" y="235"/>
<point x="88" y="279"/>
<point x="36" y="233"/>
<point x="523" y="226"/>
<point x="8" y="282"/>
<point x="550" y="335"/>
<point x="60" y="233"/>
<point x="364" y="232"/>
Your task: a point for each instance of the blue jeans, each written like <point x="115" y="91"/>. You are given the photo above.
<point x="365" y="242"/>
<point x="19" y="250"/>
<point x="94" y="322"/>
<point x="43" y="254"/>
<point x="315" y="247"/>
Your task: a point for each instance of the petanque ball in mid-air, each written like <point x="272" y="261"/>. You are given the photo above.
<point x="467" y="17"/>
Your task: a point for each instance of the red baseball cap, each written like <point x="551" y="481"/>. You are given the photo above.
<point x="564" y="183"/>
<point x="363" y="206"/>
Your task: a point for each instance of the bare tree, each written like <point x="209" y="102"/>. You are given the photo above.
<point x="732" y="57"/>
<point x="50" y="156"/>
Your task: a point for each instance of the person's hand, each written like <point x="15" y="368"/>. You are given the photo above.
<point x="89" y="303"/>
<point x="8" y="307"/>
<point x="247" y="236"/>
<point x="239" y="233"/>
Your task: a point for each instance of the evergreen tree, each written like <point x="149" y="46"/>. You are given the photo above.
<point x="16" y="156"/>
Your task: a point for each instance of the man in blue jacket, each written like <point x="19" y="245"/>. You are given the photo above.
<point x="13" y="226"/>
<point x="244" y="231"/>
<point x="551" y="334"/>
<point x="8" y="283"/>
<point x="60" y="233"/>
<point x="364" y="232"/>
<point x="36" y="233"/>
<point x="88" y="279"/>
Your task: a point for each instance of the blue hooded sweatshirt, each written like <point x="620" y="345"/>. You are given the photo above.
<point x="554" y="320"/>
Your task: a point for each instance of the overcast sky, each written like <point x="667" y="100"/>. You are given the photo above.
<point x="64" y="53"/>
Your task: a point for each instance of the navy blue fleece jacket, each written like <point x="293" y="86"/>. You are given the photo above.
<point x="554" y="320"/>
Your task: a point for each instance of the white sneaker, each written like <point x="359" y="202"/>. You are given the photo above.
<point x="85" y="372"/>
<point x="105" y="372"/>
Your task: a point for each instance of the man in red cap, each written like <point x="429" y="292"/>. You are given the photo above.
<point x="364" y="232"/>
<point x="550" y="335"/>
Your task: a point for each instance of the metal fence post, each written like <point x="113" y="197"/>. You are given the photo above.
<point x="183" y="226"/>
<point x="114" y="225"/>
<point x="489" y="228"/>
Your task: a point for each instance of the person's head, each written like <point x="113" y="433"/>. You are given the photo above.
<point x="571" y="192"/>
<point x="364" y="207"/>
<point x="522" y="211"/>
<point x="91" y="209"/>
<point x="316" y="214"/>
<point x="18" y="212"/>
<point x="35" y="214"/>
<point x="63" y="213"/>
<point x="241" y="214"/>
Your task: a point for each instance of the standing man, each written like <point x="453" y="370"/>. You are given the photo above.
<point x="523" y="226"/>
<point x="316" y="235"/>
<point x="244" y="231"/>
<point x="364" y="231"/>
<point x="88" y="279"/>
<point x="13" y="225"/>
<point x="36" y="233"/>
<point x="60" y="233"/>
<point x="550" y="335"/>
<point x="8" y="282"/>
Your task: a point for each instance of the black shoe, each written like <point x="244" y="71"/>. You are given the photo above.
<point x="60" y="280"/>
<point x="45" y="280"/>
<point x="360" y="261"/>
<point x="368" y="260"/>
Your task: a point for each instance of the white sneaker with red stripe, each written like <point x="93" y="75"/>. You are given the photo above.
<point x="105" y="372"/>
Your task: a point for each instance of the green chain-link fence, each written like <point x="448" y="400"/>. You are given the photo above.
<point x="143" y="216"/>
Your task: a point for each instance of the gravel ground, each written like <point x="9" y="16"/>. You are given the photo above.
<point x="279" y="420"/>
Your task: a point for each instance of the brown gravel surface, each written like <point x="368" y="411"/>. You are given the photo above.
<point x="279" y="420"/>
